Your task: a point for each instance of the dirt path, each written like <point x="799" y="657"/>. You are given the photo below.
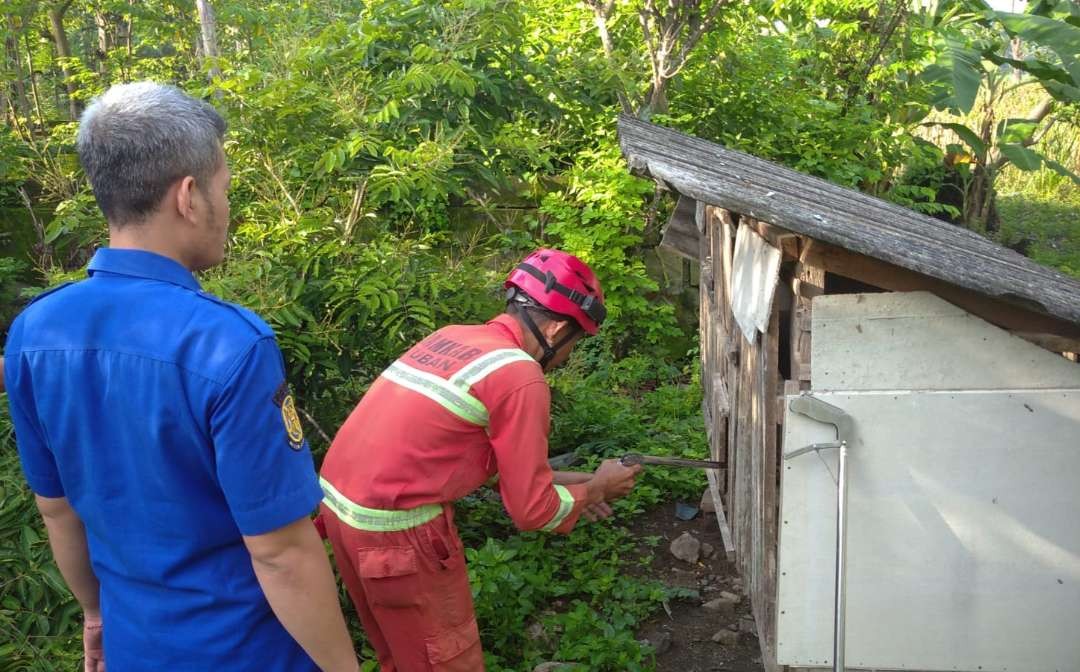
<point x="691" y="626"/>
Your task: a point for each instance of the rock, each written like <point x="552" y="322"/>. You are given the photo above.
<point x="662" y="643"/>
<point x="707" y="505"/>
<point x="731" y="597"/>
<point x="686" y="548"/>
<point x="726" y="637"/>
<point x="720" y="604"/>
<point x="707" y="549"/>
<point x="747" y="625"/>
<point x="535" y="631"/>
<point x="553" y="667"/>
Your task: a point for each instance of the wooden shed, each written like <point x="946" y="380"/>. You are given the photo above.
<point x="955" y="357"/>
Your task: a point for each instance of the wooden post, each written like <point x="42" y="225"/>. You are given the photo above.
<point x="770" y="492"/>
<point x="807" y="282"/>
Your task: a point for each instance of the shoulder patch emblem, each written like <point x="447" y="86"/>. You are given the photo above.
<point x="283" y="398"/>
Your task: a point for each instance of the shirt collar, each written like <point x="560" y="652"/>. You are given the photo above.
<point x="141" y="264"/>
<point x="510" y="325"/>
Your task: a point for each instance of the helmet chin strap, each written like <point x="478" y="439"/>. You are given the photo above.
<point x="549" y="349"/>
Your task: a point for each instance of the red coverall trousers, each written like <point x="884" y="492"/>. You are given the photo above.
<point x="411" y="590"/>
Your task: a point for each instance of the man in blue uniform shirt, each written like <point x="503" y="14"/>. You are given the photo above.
<point x="156" y="428"/>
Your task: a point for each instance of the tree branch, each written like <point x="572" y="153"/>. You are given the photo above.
<point x="1035" y="116"/>
<point x="886" y="37"/>
<point x="696" y="35"/>
<point x="281" y="185"/>
<point x="601" y="14"/>
<point x="318" y="428"/>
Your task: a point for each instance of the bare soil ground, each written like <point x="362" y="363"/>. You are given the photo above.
<point x="690" y="628"/>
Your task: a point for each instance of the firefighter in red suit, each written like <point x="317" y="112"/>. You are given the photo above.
<point x="466" y="404"/>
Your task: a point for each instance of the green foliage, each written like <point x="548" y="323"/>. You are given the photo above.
<point x="11" y="271"/>
<point x="811" y="96"/>
<point x="583" y="593"/>
<point x="604" y="408"/>
<point x="342" y="312"/>
<point x="598" y="216"/>
<point x="970" y="77"/>
<point x="39" y="620"/>
<point x="1046" y="230"/>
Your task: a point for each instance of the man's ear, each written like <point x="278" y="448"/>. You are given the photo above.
<point x="560" y="330"/>
<point x="185" y="195"/>
<point x="552" y="330"/>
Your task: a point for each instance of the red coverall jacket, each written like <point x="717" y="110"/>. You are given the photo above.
<point x="461" y="406"/>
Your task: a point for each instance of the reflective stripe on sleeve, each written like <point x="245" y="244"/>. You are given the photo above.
<point x="566" y="505"/>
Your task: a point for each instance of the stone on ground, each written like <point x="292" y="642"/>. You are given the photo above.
<point x="686" y="548"/>
<point x="726" y="637"/>
<point x="721" y="604"/>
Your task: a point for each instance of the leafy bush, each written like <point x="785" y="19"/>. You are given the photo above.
<point x="343" y="311"/>
<point x="580" y="598"/>
<point x="11" y="270"/>
<point x="600" y="216"/>
<point x="40" y="626"/>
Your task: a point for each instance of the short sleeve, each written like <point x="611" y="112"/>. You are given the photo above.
<point x="38" y="462"/>
<point x="263" y="462"/>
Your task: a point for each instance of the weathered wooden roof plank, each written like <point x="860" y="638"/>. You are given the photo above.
<point x="845" y="217"/>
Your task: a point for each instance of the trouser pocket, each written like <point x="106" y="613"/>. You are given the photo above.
<point x="389" y="576"/>
<point x="456" y="649"/>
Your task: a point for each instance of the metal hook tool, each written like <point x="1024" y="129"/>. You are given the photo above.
<point x="631" y="459"/>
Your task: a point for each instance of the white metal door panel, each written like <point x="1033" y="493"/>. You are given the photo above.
<point x="963" y="537"/>
<point x="917" y="341"/>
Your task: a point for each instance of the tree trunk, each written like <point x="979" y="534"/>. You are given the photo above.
<point x="22" y="103"/>
<point x="104" y="41"/>
<point x="208" y="28"/>
<point x="658" y="102"/>
<point x="63" y="50"/>
<point x="671" y="31"/>
<point x="33" y="84"/>
<point x="601" y="14"/>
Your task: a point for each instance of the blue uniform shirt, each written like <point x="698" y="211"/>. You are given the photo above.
<point x="163" y="415"/>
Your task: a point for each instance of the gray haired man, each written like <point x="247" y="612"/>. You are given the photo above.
<point x="156" y="428"/>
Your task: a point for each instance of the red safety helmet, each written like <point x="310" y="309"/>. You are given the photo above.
<point x="563" y="284"/>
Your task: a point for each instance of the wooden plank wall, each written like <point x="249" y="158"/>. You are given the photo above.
<point x="741" y="378"/>
<point x="744" y="391"/>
